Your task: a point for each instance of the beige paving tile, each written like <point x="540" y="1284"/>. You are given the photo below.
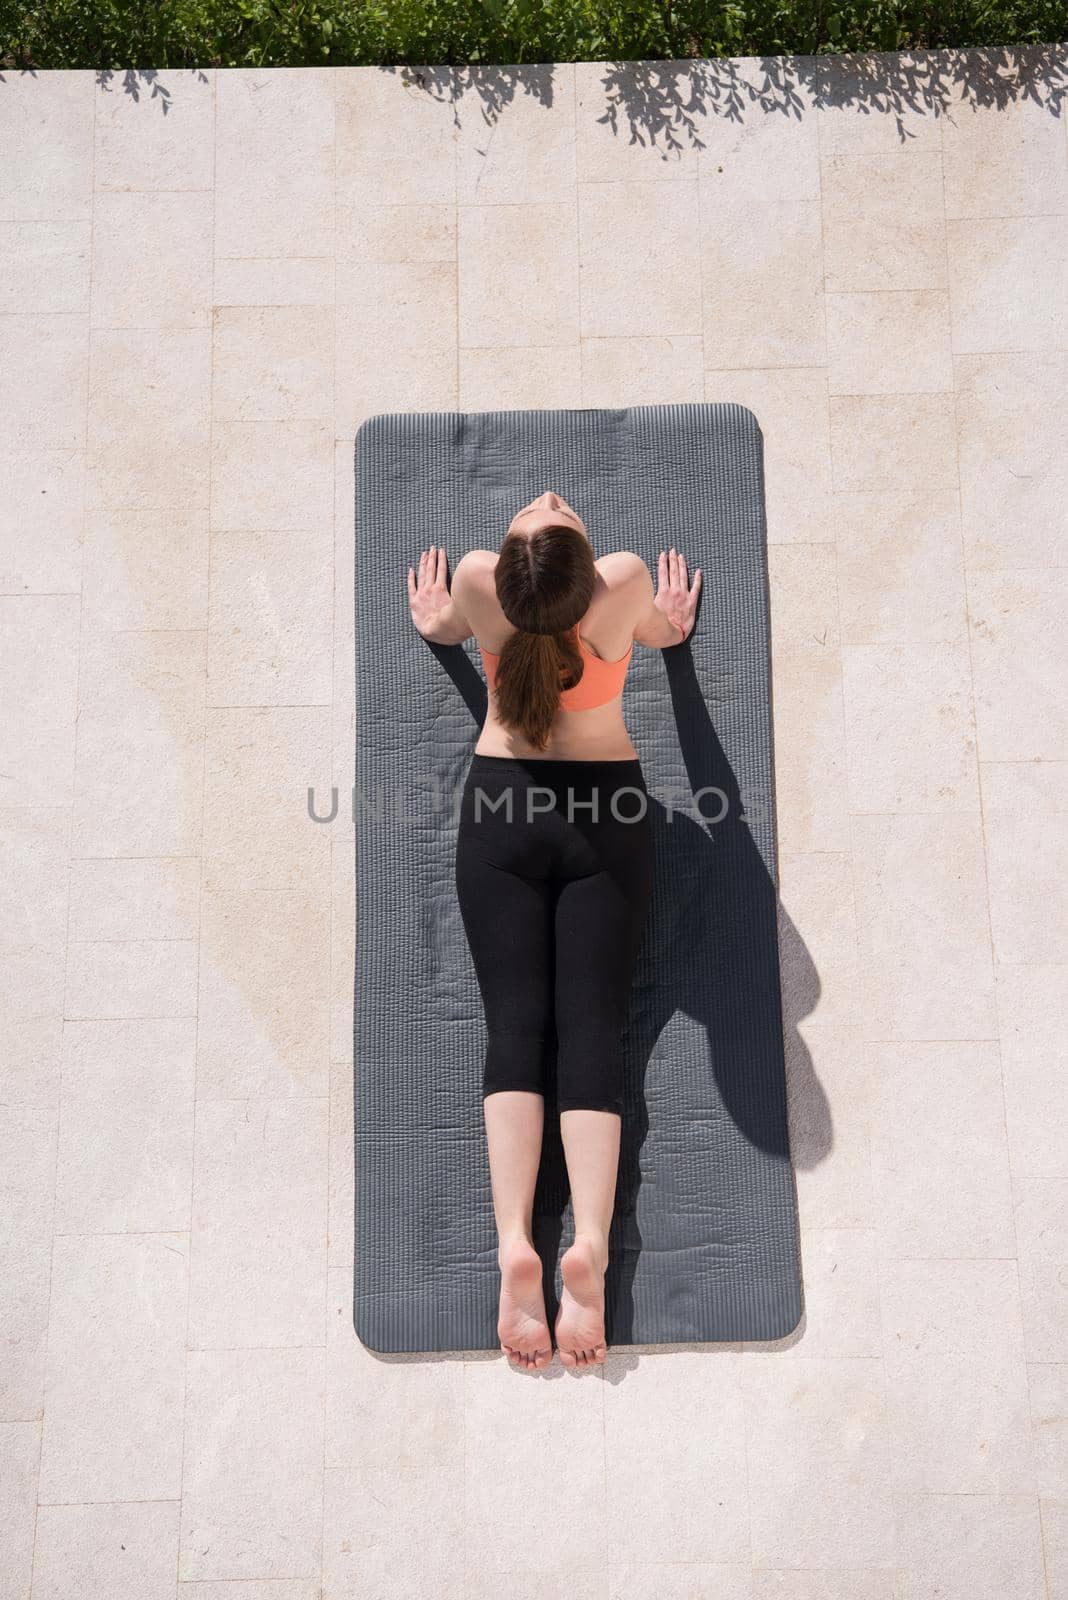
<point x="1008" y="283"/>
<point x="140" y="745"/>
<point x="152" y="260"/>
<point x="386" y="233"/>
<point x="519" y="1516"/>
<point x="258" y="834"/>
<point x="524" y="147"/>
<point x="264" y="995"/>
<point x="1032" y="1002"/>
<point x="396" y="137"/>
<point x="145" y="568"/>
<point x="692" y="1580"/>
<point x="889" y="342"/>
<point x="829" y="1100"/>
<point x="273" y="364"/>
<point x="638" y="120"/>
<point x="342" y="938"/>
<point x="762" y="284"/>
<point x="821" y="1481"/>
<point x="135" y="898"/>
<point x="524" y="377"/>
<point x="1040" y="1209"/>
<point x="127" y="1552"/>
<point x="392" y="1534"/>
<point x="1008" y="161"/>
<point x="28" y="1138"/>
<point x="125" y="1160"/>
<point x="1013" y="469"/>
<point x="40" y="538"/>
<point x="271" y="475"/>
<point x="274" y="162"/>
<point x="640" y="261"/>
<point x="518" y="275"/>
<point x="653" y="1452"/>
<point x="400" y="1410"/>
<point x="939" y="1158"/>
<point x="43" y="365"/>
<point x="155" y="132"/>
<point x="634" y="372"/>
<point x="969" y="1547"/>
<point x="1019" y="663"/>
<point x="876" y="103"/>
<point x="816" y="937"/>
<point x="804" y="601"/>
<point x="131" y="978"/>
<point x="343" y="725"/>
<point x="759" y="135"/>
<point x="34" y="877"/>
<point x="20" y="1445"/>
<point x="1024" y="807"/>
<point x="1048" y="1385"/>
<point x="149" y="416"/>
<point x="252" y="1488"/>
<point x="925" y="968"/>
<point x="258" y="1265"/>
<point x="265" y="1589"/>
<point x="44" y="267"/>
<point x="274" y="281"/>
<point x="39" y="671"/>
<point x="810" y="751"/>
<point x="955" y="1378"/>
<point x="341" y="1244"/>
<point x="883" y="220"/>
<point x="900" y="567"/>
<point x="46" y="129"/>
<point x="790" y="405"/>
<point x="841" y="1289"/>
<point x="413" y="379"/>
<point x="910" y="729"/>
<point x="270" y="638"/>
<point x="1054" y="1515"/>
<point x="116" y="1367"/>
<point x="537" y="1586"/>
<point x="879" y="442"/>
<point x="862" y="1583"/>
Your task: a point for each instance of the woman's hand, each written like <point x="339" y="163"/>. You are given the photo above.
<point x="428" y="592"/>
<point x="676" y="597"/>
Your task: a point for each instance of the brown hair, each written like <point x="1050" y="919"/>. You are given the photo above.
<point x="544" y="583"/>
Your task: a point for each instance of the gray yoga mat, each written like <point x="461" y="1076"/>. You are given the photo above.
<point x="704" y="1246"/>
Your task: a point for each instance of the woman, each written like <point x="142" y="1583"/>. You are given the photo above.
<point x="554" y="874"/>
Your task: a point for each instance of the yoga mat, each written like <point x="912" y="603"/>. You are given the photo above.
<point x="704" y="1246"/>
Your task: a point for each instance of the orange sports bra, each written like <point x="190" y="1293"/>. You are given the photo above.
<point x="601" y="680"/>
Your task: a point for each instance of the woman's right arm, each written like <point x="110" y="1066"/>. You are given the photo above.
<point x="666" y="617"/>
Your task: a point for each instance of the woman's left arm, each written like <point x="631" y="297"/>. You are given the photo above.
<point x="435" y="610"/>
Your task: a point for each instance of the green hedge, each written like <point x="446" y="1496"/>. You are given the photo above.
<point x="115" y="34"/>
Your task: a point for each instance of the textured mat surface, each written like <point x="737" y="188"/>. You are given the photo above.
<point x="704" y="1246"/>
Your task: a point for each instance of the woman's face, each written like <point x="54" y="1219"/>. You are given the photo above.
<point x="546" y="511"/>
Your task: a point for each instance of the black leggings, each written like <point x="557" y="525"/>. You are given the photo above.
<point x="554" y="870"/>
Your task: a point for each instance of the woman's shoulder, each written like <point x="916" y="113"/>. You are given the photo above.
<point x="621" y="568"/>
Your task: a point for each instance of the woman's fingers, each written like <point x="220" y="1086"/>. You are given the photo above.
<point x="412" y="590"/>
<point x="662" y="570"/>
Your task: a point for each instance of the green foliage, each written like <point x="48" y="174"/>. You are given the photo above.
<point x="116" y="34"/>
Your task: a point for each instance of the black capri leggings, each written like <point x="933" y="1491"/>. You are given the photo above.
<point x="554" y="871"/>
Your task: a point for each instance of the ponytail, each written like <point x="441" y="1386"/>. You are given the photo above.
<point x="544" y="584"/>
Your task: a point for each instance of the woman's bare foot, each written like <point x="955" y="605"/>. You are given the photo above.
<point x="580" y="1320"/>
<point x="522" y="1326"/>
